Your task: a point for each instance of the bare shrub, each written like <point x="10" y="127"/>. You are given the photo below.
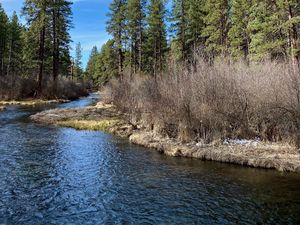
<point x="211" y="102"/>
<point x="21" y="88"/>
<point x="63" y="88"/>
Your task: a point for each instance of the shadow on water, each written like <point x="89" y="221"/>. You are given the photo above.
<point x="52" y="175"/>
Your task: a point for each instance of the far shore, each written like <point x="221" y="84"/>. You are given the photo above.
<point x="31" y="102"/>
<point x="106" y="117"/>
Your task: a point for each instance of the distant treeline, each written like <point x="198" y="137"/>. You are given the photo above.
<point x="38" y="52"/>
<point x="147" y="34"/>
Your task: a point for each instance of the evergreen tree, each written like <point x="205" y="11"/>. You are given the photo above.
<point x="92" y="63"/>
<point x="4" y="25"/>
<point x="60" y="22"/>
<point x="292" y="26"/>
<point x="36" y="12"/>
<point x="180" y="11"/>
<point x="217" y="25"/>
<point x="78" y="62"/>
<point x="156" y="37"/>
<point x="116" y="27"/>
<point x="107" y="64"/>
<point x="15" y="45"/>
<point x="265" y="26"/>
<point x="195" y="27"/>
<point x="135" y="26"/>
<point x="239" y="35"/>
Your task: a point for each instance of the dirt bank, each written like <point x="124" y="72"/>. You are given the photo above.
<point x="2" y="108"/>
<point x="105" y="117"/>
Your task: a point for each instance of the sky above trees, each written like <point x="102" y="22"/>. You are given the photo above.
<point x="89" y="19"/>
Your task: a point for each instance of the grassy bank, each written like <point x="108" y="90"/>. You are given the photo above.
<point x="31" y="102"/>
<point x="106" y="117"/>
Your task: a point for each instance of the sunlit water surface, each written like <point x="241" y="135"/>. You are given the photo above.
<point x="52" y="175"/>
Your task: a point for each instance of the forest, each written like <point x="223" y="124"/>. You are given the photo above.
<point x="148" y="35"/>
<point x="35" y="57"/>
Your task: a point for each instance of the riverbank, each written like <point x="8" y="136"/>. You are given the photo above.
<point x="106" y="117"/>
<point x="31" y="102"/>
<point x="2" y="108"/>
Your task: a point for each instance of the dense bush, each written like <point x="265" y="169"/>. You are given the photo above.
<point x="214" y="102"/>
<point x="22" y="88"/>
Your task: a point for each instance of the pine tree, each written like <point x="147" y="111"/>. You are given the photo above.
<point x="180" y="21"/>
<point x="78" y="62"/>
<point x="60" y="22"/>
<point x="135" y="26"/>
<point x="156" y="34"/>
<point x="195" y="27"/>
<point x="217" y="25"/>
<point x="92" y="63"/>
<point x="268" y="37"/>
<point x="292" y="27"/>
<point x="107" y="64"/>
<point x="3" y="40"/>
<point x="15" y="45"/>
<point x="116" y="27"/>
<point x="38" y="21"/>
<point x="239" y="35"/>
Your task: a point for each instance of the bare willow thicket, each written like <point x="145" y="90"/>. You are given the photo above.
<point x="217" y="101"/>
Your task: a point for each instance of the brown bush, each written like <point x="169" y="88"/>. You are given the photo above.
<point x="217" y="101"/>
<point x="16" y="88"/>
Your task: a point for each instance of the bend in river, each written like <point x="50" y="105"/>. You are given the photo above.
<point x="51" y="175"/>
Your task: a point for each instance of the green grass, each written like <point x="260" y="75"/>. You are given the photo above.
<point x="95" y="125"/>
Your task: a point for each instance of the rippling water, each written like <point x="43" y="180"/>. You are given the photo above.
<point x="54" y="175"/>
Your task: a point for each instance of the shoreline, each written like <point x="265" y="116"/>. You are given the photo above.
<point x="106" y="117"/>
<point x="31" y="102"/>
<point x="2" y="108"/>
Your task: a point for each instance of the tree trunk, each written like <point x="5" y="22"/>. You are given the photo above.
<point x="41" y="60"/>
<point x="293" y="38"/>
<point x="140" y="49"/>
<point x="183" y="27"/>
<point x="55" y="45"/>
<point x="9" y="57"/>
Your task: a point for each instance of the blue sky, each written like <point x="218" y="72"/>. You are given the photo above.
<point x="89" y="20"/>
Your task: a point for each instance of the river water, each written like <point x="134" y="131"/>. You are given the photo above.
<point x="52" y="175"/>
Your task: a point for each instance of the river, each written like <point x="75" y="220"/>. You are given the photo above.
<point x="51" y="175"/>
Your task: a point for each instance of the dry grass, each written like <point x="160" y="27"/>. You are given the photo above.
<point x="214" y="102"/>
<point x="281" y="158"/>
<point x="32" y="102"/>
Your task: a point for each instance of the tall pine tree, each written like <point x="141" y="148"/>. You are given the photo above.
<point x="4" y="26"/>
<point x="116" y="27"/>
<point x="15" y="45"/>
<point x="135" y="27"/>
<point x="36" y="12"/>
<point x="180" y="11"/>
<point x="217" y="25"/>
<point x="61" y="20"/>
<point x="239" y="35"/>
<point x="156" y="37"/>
